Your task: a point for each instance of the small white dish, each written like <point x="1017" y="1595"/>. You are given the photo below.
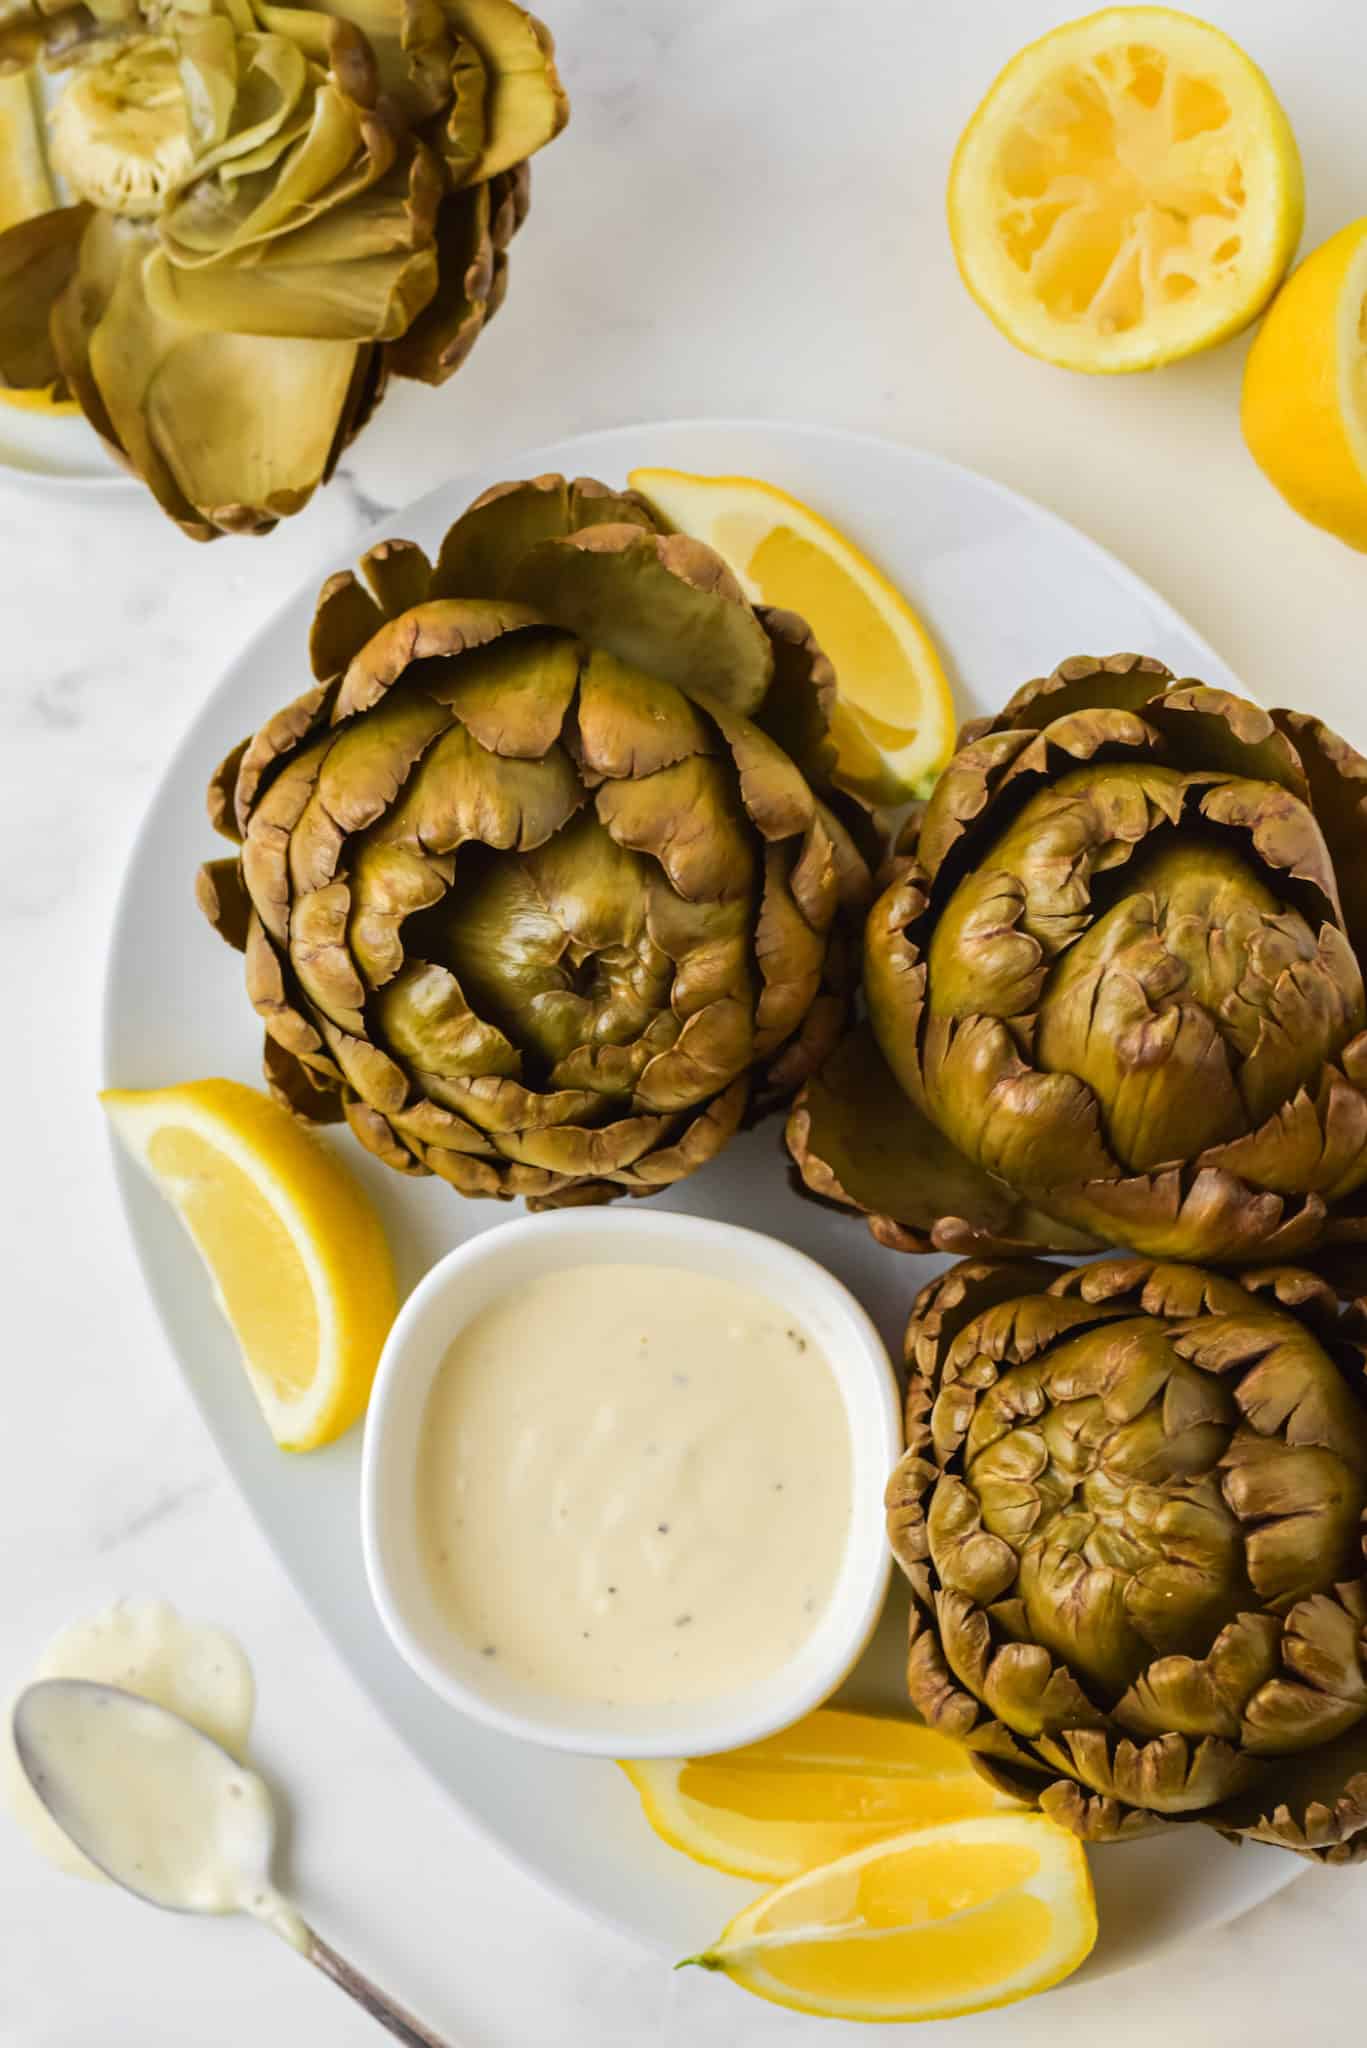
<point x="495" y="1264"/>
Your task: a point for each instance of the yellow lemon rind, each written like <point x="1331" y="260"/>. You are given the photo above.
<point x="797" y="1753"/>
<point x="1304" y="406"/>
<point x="986" y="271"/>
<point x="911" y="770"/>
<point x="331" y="1225"/>
<point x="1063" y="1881"/>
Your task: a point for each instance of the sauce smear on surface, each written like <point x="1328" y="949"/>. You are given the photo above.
<point x="634" y="1484"/>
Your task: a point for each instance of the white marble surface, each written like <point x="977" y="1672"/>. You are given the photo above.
<point x="745" y="216"/>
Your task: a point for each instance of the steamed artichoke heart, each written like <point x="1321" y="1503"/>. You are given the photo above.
<point x="1131" y="1511"/>
<point x="120" y="130"/>
<point x="530" y="888"/>
<point x="1116" y="981"/>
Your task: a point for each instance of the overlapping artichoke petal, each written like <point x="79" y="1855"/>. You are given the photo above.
<point x="550" y="921"/>
<point x="1116" y="968"/>
<point x="325" y="197"/>
<point x="1132" y="1512"/>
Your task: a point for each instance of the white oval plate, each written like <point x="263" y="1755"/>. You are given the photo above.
<point x="1008" y="590"/>
<point x="56" y="451"/>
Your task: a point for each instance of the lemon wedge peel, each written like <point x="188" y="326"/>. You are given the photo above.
<point x="1304" y="409"/>
<point x="1025" y="1880"/>
<point x="1199" y="233"/>
<point x="894" y="723"/>
<point x="38" y="401"/>
<point x="314" y="1300"/>
<point x="832" y="1784"/>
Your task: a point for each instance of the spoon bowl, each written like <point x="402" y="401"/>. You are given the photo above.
<point x="155" y="1804"/>
<point x="167" y="1813"/>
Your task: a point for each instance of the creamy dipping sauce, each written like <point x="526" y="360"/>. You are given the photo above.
<point x="147" y="1648"/>
<point x="153" y="1803"/>
<point x="634" y="1485"/>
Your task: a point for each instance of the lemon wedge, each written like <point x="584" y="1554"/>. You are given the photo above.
<point x="37" y="401"/>
<point x="893" y="724"/>
<point x="832" y="1784"/>
<point x="1305" y="388"/>
<point x="296" y="1253"/>
<point x="1128" y="192"/>
<point x="921" y="1927"/>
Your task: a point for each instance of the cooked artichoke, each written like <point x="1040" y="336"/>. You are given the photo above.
<point x="278" y="207"/>
<point x="1114" y="986"/>
<point x="532" y="888"/>
<point x="120" y="133"/>
<point x="1131" y="1512"/>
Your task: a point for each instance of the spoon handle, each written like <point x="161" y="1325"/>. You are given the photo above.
<point x="370" y="1997"/>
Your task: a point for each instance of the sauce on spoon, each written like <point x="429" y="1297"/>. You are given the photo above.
<point x="145" y="1647"/>
<point x="152" y="1802"/>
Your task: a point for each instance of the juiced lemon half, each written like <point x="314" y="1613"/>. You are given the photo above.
<point x="1128" y="192"/>
<point x="835" y="1782"/>
<point x="1305" y="388"/>
<point x="296" y="1253"/>
<point x="921" y="1927"/>
<point x="893" y="722"/>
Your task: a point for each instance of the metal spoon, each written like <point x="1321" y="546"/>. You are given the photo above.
<point x="91" y="1751"/>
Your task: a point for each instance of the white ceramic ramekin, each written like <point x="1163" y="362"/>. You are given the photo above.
<point x="498" y="1260"/>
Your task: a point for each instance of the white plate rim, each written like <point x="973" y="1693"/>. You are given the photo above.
<point x="528" y="462"/>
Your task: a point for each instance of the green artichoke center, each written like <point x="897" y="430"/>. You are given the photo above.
<point x="1149" y="957"/>
<point x="120" y="132"/>
<point x="552" y="947"/>
<point x="1148" y="1502"/>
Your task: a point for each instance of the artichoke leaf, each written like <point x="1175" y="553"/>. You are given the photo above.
<point x="791" y="958"/>
<point x="439" y="627"/>
<point x="661" y="603"/>
<point x="1313" y="1801"/>
<point x="426" y="1017"/>
<point x="389" y="884"/>
<point x="309" y="1090"/>
<point x="346" y="617"/>
<point x="361" y="273"/>
<point x="703" y="1138"/>
<point x="379" y="1137"/>
<point x="687" y="818"/>
<point x="409" y="38"/>
<point x="482" y="549"/>
<point x="206" y="57"/>
<point x="345" y="150"/>
<point x="442" y="334"/>
<point x="857" y="1140"/>
<point x="1337" y="777"/>
<point x="222" y="895"/>
<point x="511" y="695"/>
<point x="399" y="575"/>
<point x="26" y="188"/>
<point x="631" y="724"/>
<point x="1213" y="729"/>
<point x="249" y="101"/>
<point x="797" y="710"/>
<point x="525" y="106"/>
<point x="38" y="259"/>
<point x="1125" y="682"/>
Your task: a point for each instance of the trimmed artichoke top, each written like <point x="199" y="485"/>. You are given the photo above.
<point x="1114" y="986"/>
<point x="1131" y="1512"/>
<point x="532" y="887"/>
<point x="276" y="207"/>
